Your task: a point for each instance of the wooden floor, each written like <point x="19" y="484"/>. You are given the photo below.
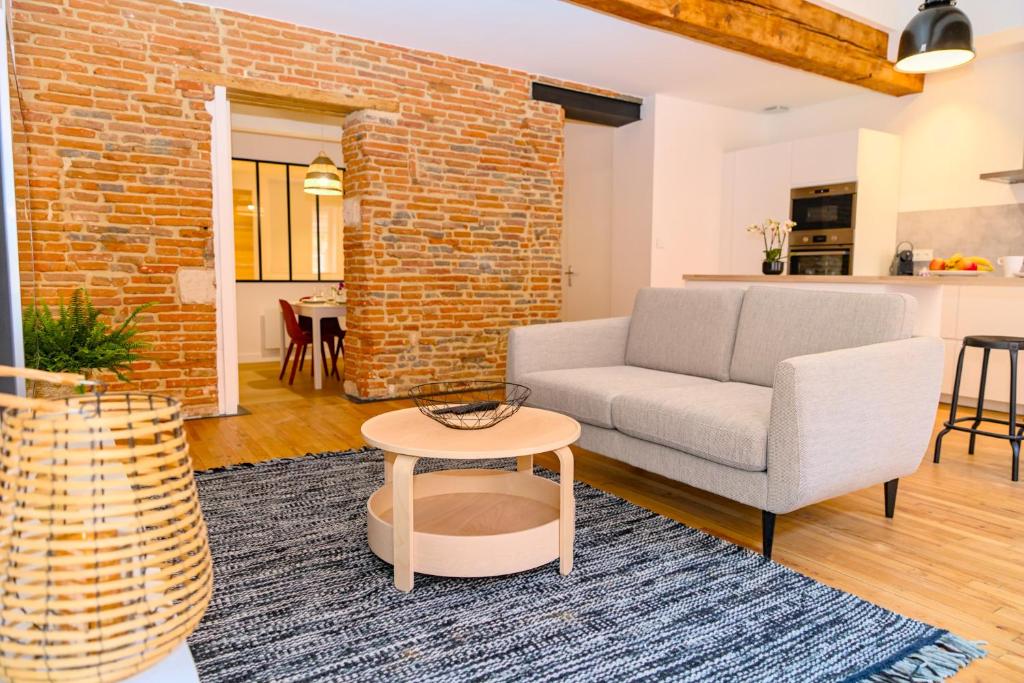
<point x="953" y="556"/>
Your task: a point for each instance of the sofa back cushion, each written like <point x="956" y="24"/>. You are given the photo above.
<point x="689" y="331"/>
<point x="777" y="323"/>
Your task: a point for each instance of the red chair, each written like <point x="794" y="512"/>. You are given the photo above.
<point x="300" y="338"/>
<point x="330" y="328"/>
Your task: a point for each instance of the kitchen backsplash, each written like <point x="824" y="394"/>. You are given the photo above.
<point x="989" y="231"/>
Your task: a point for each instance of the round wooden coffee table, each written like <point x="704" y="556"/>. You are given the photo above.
<point x="471" y="522"/>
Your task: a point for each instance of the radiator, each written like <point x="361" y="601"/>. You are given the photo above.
<point x="272" y="328"/>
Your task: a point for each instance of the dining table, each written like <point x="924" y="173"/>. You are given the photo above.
<point x="317" y="310"/>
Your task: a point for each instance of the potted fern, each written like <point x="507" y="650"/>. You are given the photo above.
<point x="77" y="340"/>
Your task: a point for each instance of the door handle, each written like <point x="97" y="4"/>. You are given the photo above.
<point x="569" y="273"/>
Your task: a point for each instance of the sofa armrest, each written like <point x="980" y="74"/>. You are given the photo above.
<point x="558" y="346"/>
<point x="843" y="420"/>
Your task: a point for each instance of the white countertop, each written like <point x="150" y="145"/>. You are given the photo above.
<point x="985" y="280"/>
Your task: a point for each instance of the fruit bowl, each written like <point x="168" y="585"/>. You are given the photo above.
<point x="958" y="264"/>
<point x="957" y="273"/>
<point x="472" y="404"/>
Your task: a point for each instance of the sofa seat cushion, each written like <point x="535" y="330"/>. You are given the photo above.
<point x="587" y="393"/>
<point x="725" y="422"/>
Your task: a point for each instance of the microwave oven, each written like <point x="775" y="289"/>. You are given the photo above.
<point x="824" y="207"/>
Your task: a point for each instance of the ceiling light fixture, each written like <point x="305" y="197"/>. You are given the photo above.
<point x="939" y="37"/>
<point x="322" y="177"/>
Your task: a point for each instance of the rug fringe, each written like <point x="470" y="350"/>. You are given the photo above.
<point x="932" y="663"/>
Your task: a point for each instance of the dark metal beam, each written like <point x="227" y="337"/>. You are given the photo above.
<point x="584" y="106"/>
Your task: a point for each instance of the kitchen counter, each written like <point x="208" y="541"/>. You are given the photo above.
<point x="989" y="280"/>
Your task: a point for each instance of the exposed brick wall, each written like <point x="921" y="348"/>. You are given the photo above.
<point x="456" y="199"/>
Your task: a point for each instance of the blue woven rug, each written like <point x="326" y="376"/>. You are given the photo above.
<point x="298" y="596"/>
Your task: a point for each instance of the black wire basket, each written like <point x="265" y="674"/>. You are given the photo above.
<point x="473" y="404"/>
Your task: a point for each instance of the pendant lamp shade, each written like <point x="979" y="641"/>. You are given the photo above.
<point x="938" y="37"/>
<point x="323" y="177"/>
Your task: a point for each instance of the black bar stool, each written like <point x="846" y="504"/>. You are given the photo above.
<point x="1014" y="434"/>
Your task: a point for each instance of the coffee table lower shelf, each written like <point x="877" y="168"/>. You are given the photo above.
<point x="472" y="522"/>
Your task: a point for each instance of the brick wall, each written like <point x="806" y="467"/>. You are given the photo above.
<point x="454" y="201"/>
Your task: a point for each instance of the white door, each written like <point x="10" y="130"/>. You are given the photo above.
<point x="587" y="222"/>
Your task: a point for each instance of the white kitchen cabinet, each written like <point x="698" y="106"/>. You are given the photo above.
<point x="981" y="310"/>
<point x="950" y="312"/>
<point x="825" y="159"/>
<point x="990" y="310"/>
<point x="759" y="188"/>
<point x="878" y="201"/>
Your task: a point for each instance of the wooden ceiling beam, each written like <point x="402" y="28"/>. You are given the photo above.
<point x="795" y="33"/>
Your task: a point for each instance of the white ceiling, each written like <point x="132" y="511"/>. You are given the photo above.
<point x="562" y="40"/>
<point x="987" y="16"/>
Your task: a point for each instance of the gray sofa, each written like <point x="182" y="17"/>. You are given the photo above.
<point x="774" y="397"/>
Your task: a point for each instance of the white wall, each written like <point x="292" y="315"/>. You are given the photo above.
<point x="689" y="149"/>
<point x="668" y="192"/>
<point x="259" y="316"/>
<point x="587" y="220"/>
<point x="632" y="207"/>
<point x="279" y="135"/>
<point x="276" y="148"/>
<point x="967" y="121"/>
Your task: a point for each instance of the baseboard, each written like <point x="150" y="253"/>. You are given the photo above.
<point x="241" y="411"/>
<point x="252" y="358"/>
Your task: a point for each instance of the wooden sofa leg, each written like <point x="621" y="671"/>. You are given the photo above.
<point x="767" y="532"/>
<point x="890" y="497"/>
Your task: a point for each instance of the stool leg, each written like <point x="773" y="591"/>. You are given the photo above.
<point x="953" y="404"/>
<point x="981" y="400"/>
<point x="1014" y="439"/>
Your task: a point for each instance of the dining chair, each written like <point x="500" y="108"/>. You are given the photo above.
<point x="330" y="328"/>
<point x="301" y="337"/>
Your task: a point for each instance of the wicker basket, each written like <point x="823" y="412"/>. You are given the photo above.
<point x="469" y="404"/>
<point x="104" y="563"/>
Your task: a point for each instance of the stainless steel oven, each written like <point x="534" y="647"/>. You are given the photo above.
<point x="820" y="261"/>
<point x="824" y="207"/>
<point x="822" y="240"/>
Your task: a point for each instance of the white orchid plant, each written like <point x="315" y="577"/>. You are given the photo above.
<point x="774" y="234"/>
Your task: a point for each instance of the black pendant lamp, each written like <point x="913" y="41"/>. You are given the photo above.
<point x="939" y="37"/>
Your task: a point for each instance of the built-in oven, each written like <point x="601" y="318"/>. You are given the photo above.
<point x="822" y="239"/>
<point x="824" y="207"/>
<point x="820" y="261"/>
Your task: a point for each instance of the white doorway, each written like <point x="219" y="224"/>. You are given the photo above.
<point x="587" y="221"/>
<point x="272" y="241"/>
<point x="223" y="252"/>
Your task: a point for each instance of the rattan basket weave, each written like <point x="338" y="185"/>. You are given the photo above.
<point x="104" y="563"/>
